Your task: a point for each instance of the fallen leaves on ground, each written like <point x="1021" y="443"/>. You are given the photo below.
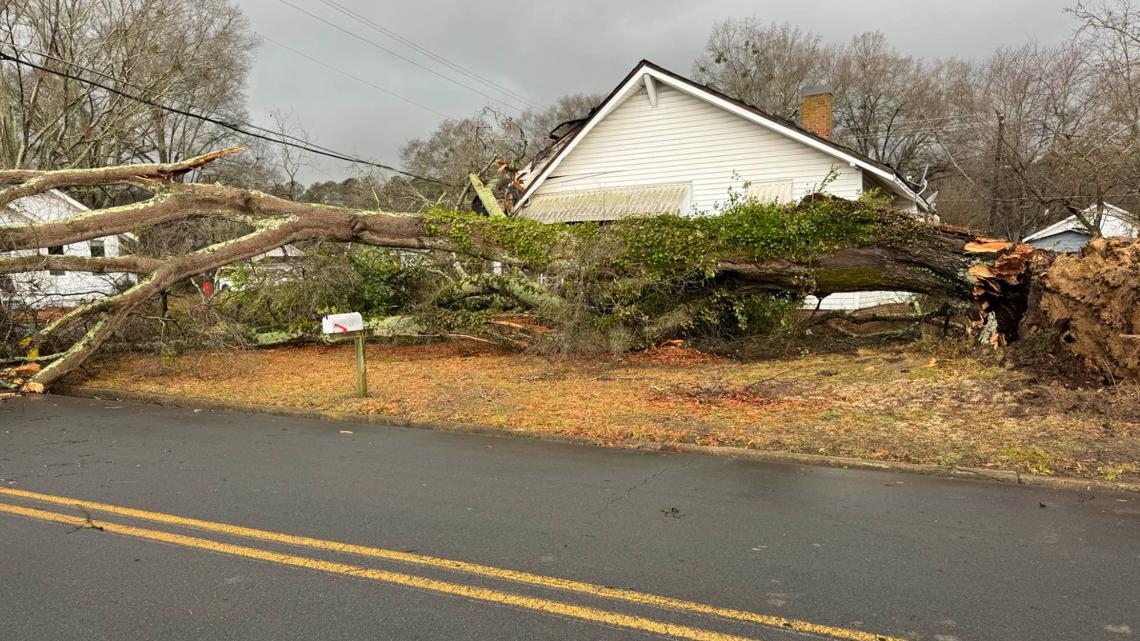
<point x="887" y="405"/>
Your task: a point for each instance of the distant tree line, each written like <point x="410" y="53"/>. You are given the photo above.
<point x="1011" y="142"/>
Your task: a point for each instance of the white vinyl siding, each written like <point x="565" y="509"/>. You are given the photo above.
<point x="858" y="300"/>
<point x="1070" y="234"/>
<point x="1064" y="241"/>
<point x="687" y="140"/>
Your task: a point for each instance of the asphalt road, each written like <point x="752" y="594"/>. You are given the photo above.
<point x="739" y="543"/>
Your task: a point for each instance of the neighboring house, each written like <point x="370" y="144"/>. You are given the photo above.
<point x="57" y="288"/>
<point x="275" y="262"/>
<point x="661" y="143"/>
<point x="282" y="254"/>
<point x="1070" y="234"/>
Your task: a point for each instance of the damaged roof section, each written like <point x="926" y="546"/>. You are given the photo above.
<point x="606" y="204"/>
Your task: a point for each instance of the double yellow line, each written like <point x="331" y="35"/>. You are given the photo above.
<point x="455" y="589"/>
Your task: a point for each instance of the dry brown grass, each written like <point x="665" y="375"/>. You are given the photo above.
<point x="887" y="405"/>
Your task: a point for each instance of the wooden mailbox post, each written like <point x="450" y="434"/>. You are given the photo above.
<point x="345" y="324"/>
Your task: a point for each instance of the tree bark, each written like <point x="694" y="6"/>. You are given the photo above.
<point x="95" y="265"/>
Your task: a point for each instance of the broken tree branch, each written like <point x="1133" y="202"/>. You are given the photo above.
<point x="30" y="182"/>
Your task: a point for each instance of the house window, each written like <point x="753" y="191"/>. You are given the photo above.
<point x="776" y="191"/>
<point x="98" y="250"/>
<point x="56" y="251"/>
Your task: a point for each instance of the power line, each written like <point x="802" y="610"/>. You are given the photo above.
<point x="398" y="55"/>
<point x="220" y="123"/>
<point x="950" y="122"/>
<point x="212" y="112"/>
<point x="427" y="52"/>
<point x="1040" y="125"/>
<point x="304" y="145"/>
<point x="1039" y="199"/>
<point x="350" y="75"/>
<point x="978" y="116"/>
<point x="920" y="125"/>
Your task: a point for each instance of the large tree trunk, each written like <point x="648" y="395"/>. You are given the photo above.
<point x="932" y="259"/>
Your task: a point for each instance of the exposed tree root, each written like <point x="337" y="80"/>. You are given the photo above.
<point x="1092" y="301"/>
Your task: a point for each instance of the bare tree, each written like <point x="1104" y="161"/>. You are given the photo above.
<point x="1055" y="131"/>
<point x="765" y="65"/>
<point x="887" y="105"/>
<point x="291" y="159"/>
<point x="1111" y="30"/>
<point x="454" y="150"/>
<point x="1110" y="155"/>
<point x="1029" y="102"/>
<point x="890" y="106"/>
<point x="188" y="54"/>
<point x="490" y="145"/>
<point x="539" y="125"/>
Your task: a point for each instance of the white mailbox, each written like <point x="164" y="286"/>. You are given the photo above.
<point x="342" y="323"/>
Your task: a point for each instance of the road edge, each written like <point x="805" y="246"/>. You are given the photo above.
<point x="819" y="460"/>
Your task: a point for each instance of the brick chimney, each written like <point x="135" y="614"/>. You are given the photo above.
<point x="815" y="111"/>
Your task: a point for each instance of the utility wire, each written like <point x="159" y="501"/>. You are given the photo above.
<point x="427" y="52"/>
<point x="1036" y="198"/>
<point x="220" y="123"/>
<point x="349" y="75"/>
<point x="398" y="55"/>
<point x="949" y="124"/>
<point x="211" y="112"/>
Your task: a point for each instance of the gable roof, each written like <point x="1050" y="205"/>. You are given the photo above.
<point x="558" y="150"/>
<point x="1114" y="223"/>
<point x="40" y="208"/>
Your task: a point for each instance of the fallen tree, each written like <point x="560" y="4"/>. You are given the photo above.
<point x="820" y="246"/>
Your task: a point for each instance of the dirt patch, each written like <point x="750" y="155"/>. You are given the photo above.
<point x="886" y="405"/>
<point x="762" y="393"/>
<point x="673" y="355"/>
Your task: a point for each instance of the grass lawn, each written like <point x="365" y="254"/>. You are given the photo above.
<point x="885" y="404"/>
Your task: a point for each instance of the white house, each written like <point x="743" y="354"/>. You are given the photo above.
<point x="57" y="288"/>
<point x="275" y="261"/>
<point x="1070" y="234"/>
<point x="661" y="143"/>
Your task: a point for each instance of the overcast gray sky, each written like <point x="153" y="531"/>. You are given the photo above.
<point x="542" y="51"/>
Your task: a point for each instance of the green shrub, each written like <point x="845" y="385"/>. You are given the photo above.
<point x="327" y="279"/>
<point x="384" y="281"/>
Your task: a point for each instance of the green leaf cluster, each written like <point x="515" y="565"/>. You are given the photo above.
<point x="672" y="245"/>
